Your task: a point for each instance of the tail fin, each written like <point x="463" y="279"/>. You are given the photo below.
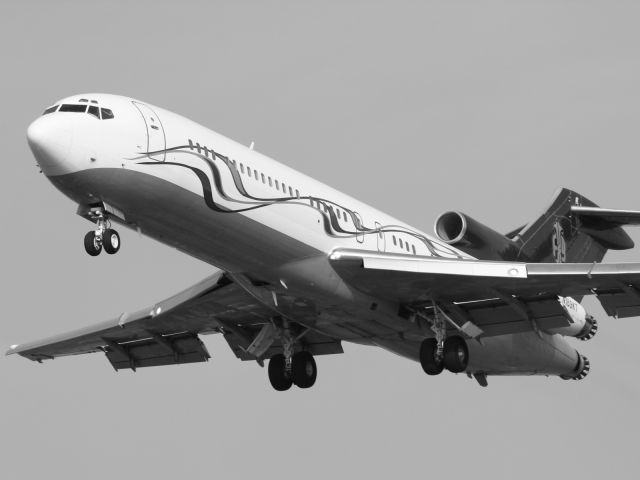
<point x="560" y="235"/>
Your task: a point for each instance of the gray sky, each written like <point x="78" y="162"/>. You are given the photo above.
<point x="413" y="107"/>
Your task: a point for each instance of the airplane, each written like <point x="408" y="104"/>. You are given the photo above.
<point x="299" y="267"/>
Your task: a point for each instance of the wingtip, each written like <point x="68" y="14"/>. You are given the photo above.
<point x="12" y="349"/>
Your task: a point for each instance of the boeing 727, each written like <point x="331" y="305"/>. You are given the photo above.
<point x="299" y="268"/>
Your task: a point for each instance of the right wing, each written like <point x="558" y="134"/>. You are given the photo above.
<point x="496" y="297"/>
<point x="167" y="332"/>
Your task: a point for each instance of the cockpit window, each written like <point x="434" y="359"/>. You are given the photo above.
<point x="106" y="113"/>
<point x="93" y="110"/>
<point x="100" y="113"/>
<point x="73" y="108"/>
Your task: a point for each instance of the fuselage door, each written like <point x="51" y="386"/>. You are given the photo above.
<point x="156" y="139"/>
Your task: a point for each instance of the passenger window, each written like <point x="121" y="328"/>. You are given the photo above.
<point x="242" y="168"/>
<point x="73" y="108"/>
<point x="263" y="179"/>
<point x="413" y="247"/>
<point x="106" y="113"/>
<point x="277" y="185"/>
<point x="407" y="246"/>
<point x="290" y="192"/>
<point x="394" y="240"/>
<point x="270" y="183"/>
<point x="345" y="216"/>
<point x="249" y="172"/>
<point x="50" y="110"/>
<point x="284" y="188"/>
<point x="93" y="110"/>
<point x="297" y="193"/>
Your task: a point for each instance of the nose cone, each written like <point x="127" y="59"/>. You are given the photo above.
<point x="50" y="140"/>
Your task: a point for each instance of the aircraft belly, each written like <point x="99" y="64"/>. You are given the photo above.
<point x="514" y="354"/>
<point x="179" y="218"/>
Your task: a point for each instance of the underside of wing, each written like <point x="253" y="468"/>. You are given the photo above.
<point x="496" y="297"/>
<point x="168" y="332"/>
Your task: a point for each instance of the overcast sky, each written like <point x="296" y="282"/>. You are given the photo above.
<point x="413" y="107"/>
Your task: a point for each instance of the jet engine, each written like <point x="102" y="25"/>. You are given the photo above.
<point x="581" y="371"/>
<point x="473" y="237"/>
<point x="581" y="325"/>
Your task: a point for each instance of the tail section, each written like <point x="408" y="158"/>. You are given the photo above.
<point x="563" y="235"/>
<point x="573" y="229"/>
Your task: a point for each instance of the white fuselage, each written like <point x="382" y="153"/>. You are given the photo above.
<point x="241" y="211"/>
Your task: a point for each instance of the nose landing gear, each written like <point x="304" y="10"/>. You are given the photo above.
<point x="102" y="237"/>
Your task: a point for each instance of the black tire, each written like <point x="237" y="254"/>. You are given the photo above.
<point x="111" y="241"/>
<point x="278" y="374"/>
<point x="304" y="370"/>
<point x="456" y="354"/>
<point x="430" y="364"/>
<point x="91" y="244"/>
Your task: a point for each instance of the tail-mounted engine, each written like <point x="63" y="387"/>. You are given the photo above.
<point x="473" y="237"/>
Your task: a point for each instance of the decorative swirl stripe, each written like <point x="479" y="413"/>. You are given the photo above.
<point x="331" y="222"/>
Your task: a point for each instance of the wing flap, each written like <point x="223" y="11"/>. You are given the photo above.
<point x="153" y="352"/>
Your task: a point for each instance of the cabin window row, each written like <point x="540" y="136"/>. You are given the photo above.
<point x="252" y="173"/>
<point x="322" y="206"/>
<point x="404" y="244"/>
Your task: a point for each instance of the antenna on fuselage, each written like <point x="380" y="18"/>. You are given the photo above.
<point x="251" y="146"/>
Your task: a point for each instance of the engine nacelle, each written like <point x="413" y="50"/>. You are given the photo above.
<point x="581" y="371"/>
<point x="582" y="325"/>
<point x="473" y="237"/>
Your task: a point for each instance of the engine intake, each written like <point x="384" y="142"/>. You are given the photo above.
<point x="474" y="238"/>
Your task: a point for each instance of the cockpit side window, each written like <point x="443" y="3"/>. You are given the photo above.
<point x="50" y="110"/>
<point x="93" y="110"/>
<point x="73" y="108"/>
<point x="106" y="113"/>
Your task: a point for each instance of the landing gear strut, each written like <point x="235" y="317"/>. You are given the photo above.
<point x="102" y="237"/>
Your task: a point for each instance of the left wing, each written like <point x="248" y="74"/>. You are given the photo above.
<point x="490" y="292"/>
<point x="167" y="332"/>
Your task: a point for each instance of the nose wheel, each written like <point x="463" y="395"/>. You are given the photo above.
<point x="101" y="237"/>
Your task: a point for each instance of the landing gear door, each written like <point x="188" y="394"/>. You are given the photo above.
<point x="156" y="139"/>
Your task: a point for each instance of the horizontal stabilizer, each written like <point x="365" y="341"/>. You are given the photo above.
<point x="616" y="217"/>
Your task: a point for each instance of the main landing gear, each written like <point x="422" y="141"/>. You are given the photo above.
<point x="300" y="371"/>
<point x="452" y="354"/>
<point x="102" y="237"/>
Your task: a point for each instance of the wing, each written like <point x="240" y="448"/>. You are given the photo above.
<point x="497" y="297"/>
<point x="167" y="332"/>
